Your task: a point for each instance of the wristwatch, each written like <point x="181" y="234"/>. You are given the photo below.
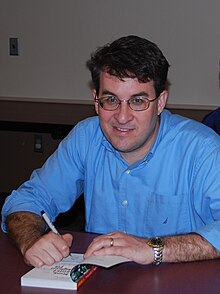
<point x="157" y="244"/>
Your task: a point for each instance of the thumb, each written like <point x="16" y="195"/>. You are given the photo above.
<point x="68" y="238"/>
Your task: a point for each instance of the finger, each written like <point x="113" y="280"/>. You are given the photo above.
<point x="98" y="243"/>
<point x="48" y="249"/>
<point x="104" y="241"/>
<point x="58" y="245"/>
<point x="33" y="260"/>
<point x="68" y="238"/>
<point x="124" y="251"/>
<point x="116" y="251"/>
<point x="54" y="252"/>
<point x="39" y="255"/>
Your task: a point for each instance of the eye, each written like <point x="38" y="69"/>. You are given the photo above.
<point x="111" y="100"/>
<point x="137" y="100"/>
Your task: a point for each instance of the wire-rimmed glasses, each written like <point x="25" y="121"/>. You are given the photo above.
<point x="136" y="103"/>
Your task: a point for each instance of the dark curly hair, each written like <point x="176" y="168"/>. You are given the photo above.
<point x="130" y="57"/>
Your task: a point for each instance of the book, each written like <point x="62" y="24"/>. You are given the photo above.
<point x="70" y="273"/>
<point x="57" y="276"/>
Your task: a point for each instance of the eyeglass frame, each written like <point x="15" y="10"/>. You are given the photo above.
<point x="127" y="101"/>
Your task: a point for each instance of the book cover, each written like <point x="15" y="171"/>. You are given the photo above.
<point x="61" y="275"/>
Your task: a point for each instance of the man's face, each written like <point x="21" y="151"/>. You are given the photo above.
<point x="130" y="132"/>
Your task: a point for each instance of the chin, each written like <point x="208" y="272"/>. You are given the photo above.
<point x="119" y="144"/>
<point x="122" y="149"/>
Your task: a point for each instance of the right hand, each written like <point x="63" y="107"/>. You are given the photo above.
<point x="48" y="249"/>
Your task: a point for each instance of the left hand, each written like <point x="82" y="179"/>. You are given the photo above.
<point x="128" y="246"/>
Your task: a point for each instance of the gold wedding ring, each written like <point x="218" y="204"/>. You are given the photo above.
<point x="111" y="242"/>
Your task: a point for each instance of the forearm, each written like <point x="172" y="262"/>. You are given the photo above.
<point x="24" y="228"/>
<point x="190" y="247"/>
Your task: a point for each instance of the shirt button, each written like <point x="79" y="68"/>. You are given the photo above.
<point x="127" y="171"/>
<point x="125" y="202"/>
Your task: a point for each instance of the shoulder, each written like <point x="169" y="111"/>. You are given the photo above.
<point x="88" y="122"/>
<point x="86" y="133"/>
<point x="87" y="127"/>
<point x="82" y="140"/>
<point x="188" y="130"/>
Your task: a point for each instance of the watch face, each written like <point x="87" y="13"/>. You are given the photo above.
<point x="156" y="242"/>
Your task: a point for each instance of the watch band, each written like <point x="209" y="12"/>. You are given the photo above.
<point x="158" y="256"/>
<point x="157" y="245"/>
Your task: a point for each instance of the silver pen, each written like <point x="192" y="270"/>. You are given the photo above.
<point x="49" y="222"/>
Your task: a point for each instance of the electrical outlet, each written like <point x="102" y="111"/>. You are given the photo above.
<point x="38" y="144"/>
<point x="13" y="46"/>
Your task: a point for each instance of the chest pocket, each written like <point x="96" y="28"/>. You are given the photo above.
<point x="167" y="215"/>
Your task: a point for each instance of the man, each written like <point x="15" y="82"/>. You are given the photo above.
<point x="212" y="120"/>
<point x="144" y="172"/>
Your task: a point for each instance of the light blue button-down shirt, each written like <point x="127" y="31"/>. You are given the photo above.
<point x="175" y="189"/>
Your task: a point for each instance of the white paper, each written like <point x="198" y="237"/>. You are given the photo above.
<point x="105" y="261"/>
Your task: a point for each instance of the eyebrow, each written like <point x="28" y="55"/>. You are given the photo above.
<point x="142" y="93"/>
<point x="106" y="92"/>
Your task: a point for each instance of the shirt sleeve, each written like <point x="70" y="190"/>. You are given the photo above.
<point x="207" y="193"/>
<point x="54" y="187"/>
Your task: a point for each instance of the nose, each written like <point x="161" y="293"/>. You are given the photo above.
<point x="124" y="113"/>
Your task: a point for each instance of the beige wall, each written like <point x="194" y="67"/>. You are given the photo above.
<point x="56" y="38"/>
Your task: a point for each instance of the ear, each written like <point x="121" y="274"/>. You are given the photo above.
<point x="96" y="103"/>
<point x="161" y="102"/>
